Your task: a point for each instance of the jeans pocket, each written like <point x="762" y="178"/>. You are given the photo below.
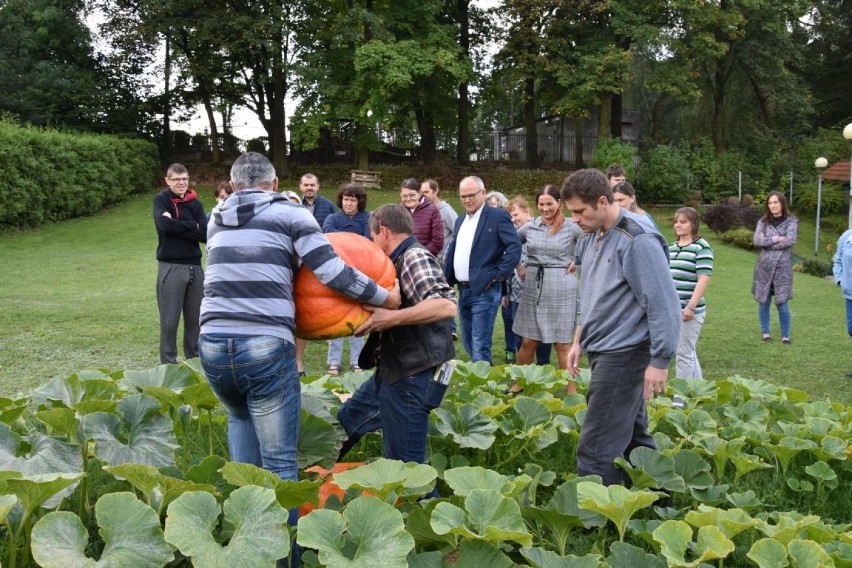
<point x="434" y="394"/>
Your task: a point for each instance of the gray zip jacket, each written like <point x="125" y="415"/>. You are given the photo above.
<point x="627" y="295"/>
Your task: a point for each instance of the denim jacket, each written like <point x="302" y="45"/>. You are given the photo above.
<point x="842" y="267"/>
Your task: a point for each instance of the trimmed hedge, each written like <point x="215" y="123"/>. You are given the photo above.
<point x="47" y="175"/>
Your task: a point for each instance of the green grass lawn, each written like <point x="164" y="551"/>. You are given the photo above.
<point x="80" y="295"/>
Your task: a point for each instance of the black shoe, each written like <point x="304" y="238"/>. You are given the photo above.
<point x="849" y="375"/>
<point x="455" y="336"/>
<point x="785" y="340"/>
<point x="767" y="337"/>
<point x="511" y="357"/>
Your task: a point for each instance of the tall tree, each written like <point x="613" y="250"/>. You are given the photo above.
<point x="49" y="73"/>
<point x="379" y="62"/>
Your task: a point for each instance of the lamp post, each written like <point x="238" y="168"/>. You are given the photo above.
<point x="820" y="164"/>
<point x="847" y="133"/>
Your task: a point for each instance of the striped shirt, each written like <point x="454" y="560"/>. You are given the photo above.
<point x="255" y="239"/>
<point x="687" y="263"/>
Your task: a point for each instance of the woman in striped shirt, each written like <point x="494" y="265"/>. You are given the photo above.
<point x="691" y="264"/>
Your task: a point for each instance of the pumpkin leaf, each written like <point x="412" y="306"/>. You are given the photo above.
<point x="288" y="493"/>
<point x="130" y="530"/>
<point x="33" y="455"/>
<point x="623" y="555"/>
<point x="389" y="479"/>
<point x="65" y="391"/>
<point x="159" y="489"/>
<point x="808" y="554"/>
<point x="318" y="439"/>
<point x="541" y="558"/>
<point x="487" y="516"/>
<point x="141" y="434"/>
<point x="694" y="471"/>
<point x="260" y="536"/>
<point x="463" y="480"/>
<point x="768" y="553"/>
<point x="675" y="538"/>
<point x="731" y="521"/>
<point x="171" y="376"/>
<point x="616" y="503"/>
<point x="369" y="532"/>
<point x="468" y="428"/>
<point x="61" y="421"/>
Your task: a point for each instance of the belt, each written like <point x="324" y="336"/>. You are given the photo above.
<point x="464" y="284"/>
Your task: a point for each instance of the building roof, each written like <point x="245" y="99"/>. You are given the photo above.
<point x="839" y="171"/>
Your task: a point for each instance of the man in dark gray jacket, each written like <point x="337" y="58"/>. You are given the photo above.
<point x="628" y="324"/>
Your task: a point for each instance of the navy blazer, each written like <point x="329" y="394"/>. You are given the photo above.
<point x="496" y="249"/>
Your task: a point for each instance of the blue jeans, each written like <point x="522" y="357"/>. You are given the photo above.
<point x="255" y="377"/>
<point x="477" y="312"/>
<point x="542" y="352"/>
<point x="400" y="409"/>
<point x="783" y="317"/>
<point x="849" y="317"/>
<point x="616" y="421"/>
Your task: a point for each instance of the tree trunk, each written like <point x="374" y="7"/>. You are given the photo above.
<point x="211" y="118"/>
<point x="167" y="106"/>
<point x="616" y="115"/>
<point x="579" y="162"/>
<point x="463" y="132"/>
<point x="530" y="126"/>
<point x="426" y="127"/>
<point x="604" y="114"/>
<point x="656" y="112"/>
<point x="277" y="112"/>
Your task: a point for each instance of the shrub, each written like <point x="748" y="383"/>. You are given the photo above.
<point x="833" y="198"/>
<point x="48" y="175"/>
<point x="729" y="215"/>
<point x="814" y="267"/>
<point x="615" y="151"/>
<point x="665" y="175"/>
<point x="740" y="238"/>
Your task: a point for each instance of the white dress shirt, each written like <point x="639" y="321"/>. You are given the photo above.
<point x="464" y="245"/>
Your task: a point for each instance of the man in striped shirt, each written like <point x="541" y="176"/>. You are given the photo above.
<point x="255" y="239"/>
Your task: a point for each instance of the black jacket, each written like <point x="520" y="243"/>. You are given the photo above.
<point x="178" y="236"/>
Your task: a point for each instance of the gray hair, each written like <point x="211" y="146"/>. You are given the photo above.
<point x="498" y="197"/>
<point x="252" y="170"/>
<point x="480" y="185"/>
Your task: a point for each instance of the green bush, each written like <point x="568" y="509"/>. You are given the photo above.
<point x="48" y="175"/>
<point x="833" y="198"/>
<point x="814" y="267"/>
<point x="741" y="238"/>
<point x="614" y="151"/>
<point x="665" y="175"/>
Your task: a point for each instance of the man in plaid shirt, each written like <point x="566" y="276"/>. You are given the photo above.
<point x="408" y="347"/>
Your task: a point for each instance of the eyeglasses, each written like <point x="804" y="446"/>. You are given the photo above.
<point x="179" y="180"/>
<point x="470" y="196"/>
<point x="408" y="195"/>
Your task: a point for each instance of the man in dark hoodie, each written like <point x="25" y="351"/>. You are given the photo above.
<point x="181" y="225"/>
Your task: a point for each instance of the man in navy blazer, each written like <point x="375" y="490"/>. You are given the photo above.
<point x="482" y="255"/>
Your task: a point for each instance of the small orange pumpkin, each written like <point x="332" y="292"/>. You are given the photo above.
<point x="328" y="488"/>
<point x="322" y="313"/>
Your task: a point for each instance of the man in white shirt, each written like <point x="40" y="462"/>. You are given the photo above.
<point x="483" y="254"/>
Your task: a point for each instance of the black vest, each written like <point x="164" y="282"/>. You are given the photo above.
<point x="408" y="349"/>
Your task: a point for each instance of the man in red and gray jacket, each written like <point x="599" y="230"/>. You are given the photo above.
<point x="181" y="225"/>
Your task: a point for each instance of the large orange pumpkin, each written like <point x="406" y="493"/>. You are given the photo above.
<point x="322" y="313"/>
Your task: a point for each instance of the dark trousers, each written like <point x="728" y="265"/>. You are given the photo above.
<point x="180" y="289"/>
<point x="616" y="420"/>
